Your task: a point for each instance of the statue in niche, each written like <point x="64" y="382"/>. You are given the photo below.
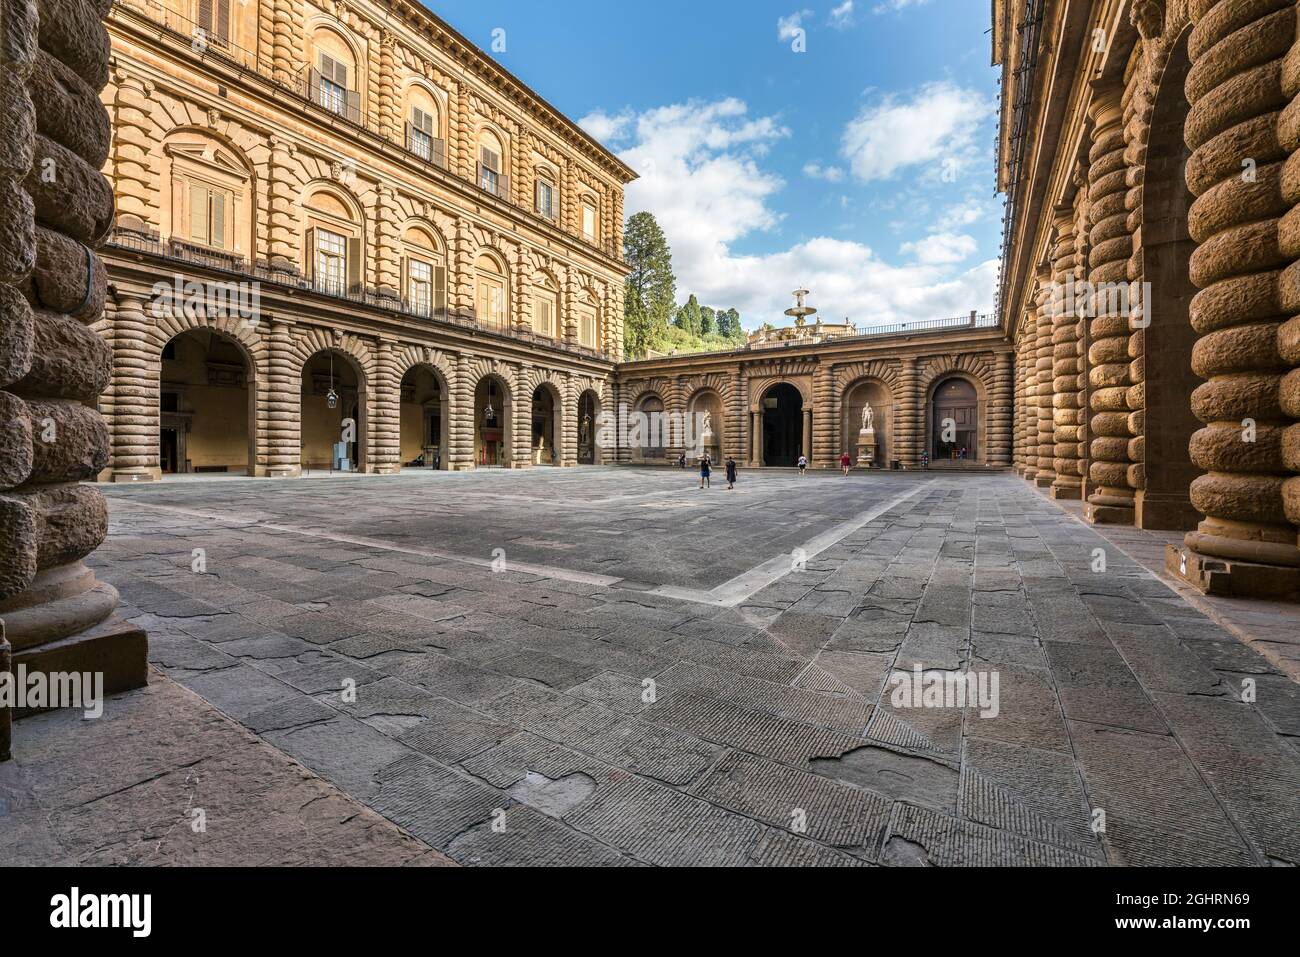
<point x="868" y="418"/>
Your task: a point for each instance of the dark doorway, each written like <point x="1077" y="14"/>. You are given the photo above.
<point x="955" y="426"/>
<point x="587" y="424"/>
<point x="782" y="425"/>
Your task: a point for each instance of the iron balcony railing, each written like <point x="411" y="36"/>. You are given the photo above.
<point x="986" y="320"/>
<point x="179" y="251"/>
<point x="189" y="35"/>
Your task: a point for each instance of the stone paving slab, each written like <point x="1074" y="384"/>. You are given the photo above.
<point x="502" y="717"/>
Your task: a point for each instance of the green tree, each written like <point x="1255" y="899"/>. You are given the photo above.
<point x="651" y="287"/>
<point x="708" y="321"/>
<point x="688" y="317"/>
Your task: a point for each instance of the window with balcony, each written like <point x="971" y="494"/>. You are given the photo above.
<point x="491" y="178"/>
<point x="589" y="221"/>
<point x="545" y="306"/>
<point x="588" y="326"/>
<point x="211" y="213"/>
<point x="212" y="22"/>
<point x="328" y="85"/>
<point x="424" y="273"/>
<point x="490" y="287"/>
<point x="422" y="136"/>
<point x="331" y="272"/>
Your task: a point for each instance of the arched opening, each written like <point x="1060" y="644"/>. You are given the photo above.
<point x="1167" y="247"/>
<point x="645" y="430"/>
<point x="491" y="423"/>
<point x="869" y="439"/>
<point x="333" y="417"/>
<point x="954" y="422"/>
<point x="782" y="425"/>
<point x="707" y="424"/>
<point x="588" y="428"/>
<point x="547" y="437"/>
<point x="425" y="419"/>
<point x="207" y="406"/>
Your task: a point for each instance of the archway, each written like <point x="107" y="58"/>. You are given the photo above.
<point x="954" y="422"/>
<point x="782" y="409"/>
<point x="425" y="419"/>
<point x="1164" y="502"/>
<point x="868" y="392"/>
<point x="207" y="406"/>
<point x="492" y="423"/>
<point x="645" y="430"/>
<point x="589" y="452"/>
<point x="707" y="423"/>
<point x="547" y="432"/>
<point x="333" y="413"/>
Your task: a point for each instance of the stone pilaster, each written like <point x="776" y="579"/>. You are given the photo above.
<point x="521" y="418"/>
<point x="1045" y="439"/>
<point x="135" y="392"/>
<point x="1023" y="376"/>
<point x="387" y="419"/>
<point x="1111" y="497"/>
<point x="826" y="427"/>
<point x="283" y="436"/>
<point x="132" y="176"/>
<point x="1067" y="414"/>
<point x="460" y="445"/>
<point x="569" y="425"/>
<point x="282" y="193"/>
<point x="390" y="119"/>
<point x="57" y="617"/>
<point x="388" y="258"/>
<point x="1001" y="410"/>
<point x="737" y="421"/>
<point x="1241" y="87"/>
<point x="910" y="439"/>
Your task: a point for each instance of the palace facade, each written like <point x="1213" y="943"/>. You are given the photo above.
<point x="1147" y="151"/>
<point x="342" y="222"/>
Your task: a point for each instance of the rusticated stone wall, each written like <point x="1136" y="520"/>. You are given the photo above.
<point x="55" y="209"/>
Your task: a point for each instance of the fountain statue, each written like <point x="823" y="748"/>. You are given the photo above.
<point x="867" y="438"/>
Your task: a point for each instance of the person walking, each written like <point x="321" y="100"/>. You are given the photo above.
<point x="704" y="471"/>
<point x="803" y="464"/>
<point x="846" y="463"/>
<point x="731" y="473"/>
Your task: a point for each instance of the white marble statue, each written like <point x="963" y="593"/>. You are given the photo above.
<point x="868" y="419"/>
<point x="706" y="424"/>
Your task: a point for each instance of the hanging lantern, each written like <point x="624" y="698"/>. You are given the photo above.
<point x="332" y="397"/>
<point x="489" y="413"/>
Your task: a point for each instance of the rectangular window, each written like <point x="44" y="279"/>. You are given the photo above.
<point x="421" y="133"/>
<point x="490" y="171"/>
<point x="588" y="222"/>
<point x="420" y="287"/>
<point x="492" y="303"/>
<point x="212" y="21"/>
<point x="587" y="328"/>
<point x="545" y="199"/>
<point x="209" y="212"/>
<point x="331" y="261"/>
<point x="544" y="316"/>
<point x="333" y="85"/>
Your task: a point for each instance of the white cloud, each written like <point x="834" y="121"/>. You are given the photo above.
<point x="936" y="128"/>
<point x="940" y="248"/>
<point x="832" y="174"/>
<point x="607" y="128"/>
<point x="787" y="28"/>
<point x="842" y="16"/>
<point x="892" y="6"/>
<point x="703" y="178"/>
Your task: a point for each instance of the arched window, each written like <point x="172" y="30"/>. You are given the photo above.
<point x="424" y="127"/>
<point x="490" y="291"/>
<point x="546" y="306"/>
<point x="491" y="165"/>
<point x="332" y="81"/>
<point x="424" y="274"/>
<point x="210" y="202"/>
<point x="546" y="195"/>
<point x="332" y="256"/>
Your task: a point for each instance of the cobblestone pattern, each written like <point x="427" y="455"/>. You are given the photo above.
<point x="512" y="717"/>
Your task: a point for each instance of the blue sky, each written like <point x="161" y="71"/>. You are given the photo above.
<point x="861" y="167"/>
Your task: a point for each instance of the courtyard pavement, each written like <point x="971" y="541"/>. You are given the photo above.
<point x="611" y="666"/>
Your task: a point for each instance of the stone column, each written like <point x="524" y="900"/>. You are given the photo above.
<point x="1241" y="87"/>
<point x="910" y="440"/>
<point x="132" y="177"/>
<point x="388" y="252"/>
<point x="460" y="443"/>
<point x="390" y="119"/>
<point x="756" y="439"/>
<point x="1066" y="365"/>
<point x="826" y="428"/>
<point x="521" y="418"/>
<point x="807" y="433"/>
<point x="282" y="190"/>
<point x="568" y="457"/>
<point x="387" y="418"/>
<point x="737" y="421"/>
<point x="1111" y="498"/>
<point x="135" y="393"/>
<point x="1001" y="411"/>
<point x="1045" y="474"/>
<point x="284" y="401"/>
<point x="57" y="617"/>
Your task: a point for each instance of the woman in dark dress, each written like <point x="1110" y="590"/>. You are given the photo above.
<point x="731" y="473"/>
